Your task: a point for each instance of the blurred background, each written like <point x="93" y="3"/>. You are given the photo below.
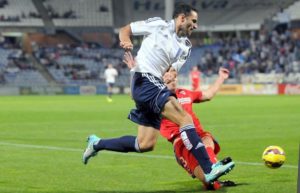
<point x="63" y="46"/>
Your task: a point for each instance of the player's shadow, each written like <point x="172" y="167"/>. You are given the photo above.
<point x="158" y="191"/>
<point x="191" y="189"/>
<point x="162" y="191"/>
<point x="240" y="184"/>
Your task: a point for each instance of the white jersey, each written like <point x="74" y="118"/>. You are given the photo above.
<point x="110" y="75"/>
<point x="161" y="47"/>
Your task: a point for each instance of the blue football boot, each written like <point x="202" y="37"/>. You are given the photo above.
<point x="90" y="151"/>
<point x="218" y="169"/>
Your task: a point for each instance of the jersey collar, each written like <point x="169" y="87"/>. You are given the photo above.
<point x="172" y="26"/>
<point x="172" y="29"/>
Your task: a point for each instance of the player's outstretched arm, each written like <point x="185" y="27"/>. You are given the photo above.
<point x="214" y="88"/>
<point x="124" y="36"/>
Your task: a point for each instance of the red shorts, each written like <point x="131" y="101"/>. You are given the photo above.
<point x="185" y="158"/>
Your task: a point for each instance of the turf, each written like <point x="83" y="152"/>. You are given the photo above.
<point x="42" y="139"/>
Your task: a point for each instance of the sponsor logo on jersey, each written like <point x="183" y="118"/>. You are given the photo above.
<point x="186" y="100"/>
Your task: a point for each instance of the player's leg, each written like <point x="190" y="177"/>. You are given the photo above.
<point x="146" y="89"/>
<point x="174" y="112"/>
<point x="121" y="144"/>
<point x="145" y="141"/>
<point x="213" y="148"/>
<point x="147" y="137"/>
<point x="109" y="92"/>
<point x="214" y="185"/>
<point x="210" y="146"/>
<point x="190" y="164"/>
<point x="199" y="174"/>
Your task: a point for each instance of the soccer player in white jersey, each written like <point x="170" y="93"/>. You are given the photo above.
<point x="110" y="74"/>
<point x="165" y="45"/>
<point x="170" y="130"/>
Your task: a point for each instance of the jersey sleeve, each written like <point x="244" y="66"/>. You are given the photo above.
<point x="148" y="26"/>
<point x="178" y="64"/>
<point x="196" y="96"/>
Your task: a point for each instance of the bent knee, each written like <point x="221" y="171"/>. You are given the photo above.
<point x="146" y="146"/>
<point x="208" y="142"/>
<point x="147" y="149"/>
<point x="147" y="137"/>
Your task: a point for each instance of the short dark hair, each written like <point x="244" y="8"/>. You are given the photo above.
<point x="183" y="8"/>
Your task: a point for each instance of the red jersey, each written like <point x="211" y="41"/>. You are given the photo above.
<point x="186" y="98"/>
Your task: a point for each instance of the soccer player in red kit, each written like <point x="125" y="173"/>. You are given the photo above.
<point x="169" y="130"/>
<point x="195" y="78"/>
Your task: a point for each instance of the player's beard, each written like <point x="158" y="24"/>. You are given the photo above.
<point x="185" y="30"/>
<point x="182" y="31"/>
<point x="189" y="30"/>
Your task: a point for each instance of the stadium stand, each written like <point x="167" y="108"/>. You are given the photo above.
<point x="293" y="11"/>
<point x="236" y="15"/>
<point x="67" y="13"/>
<point x="25" y="78"/>
<point x="268" y="52"/>
<point x="70" y="42"/>
<point x="81" y="64"/>
<point x="16" y="68"/>
<point x="19" y="13"/>
<point x="218" y="15"/>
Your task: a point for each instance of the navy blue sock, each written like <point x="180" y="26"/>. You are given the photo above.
<point x="194" y="144"/>
<point x="122" y="144"/>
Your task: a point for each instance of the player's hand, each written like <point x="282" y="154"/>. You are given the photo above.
<point x="223" y="73"/>
<point x="128" y="59"/>
<point x="127" y="46"/>
<point x="170" y="75"/>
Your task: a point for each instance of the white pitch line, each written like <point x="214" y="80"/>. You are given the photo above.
<point x="122" y="154"/>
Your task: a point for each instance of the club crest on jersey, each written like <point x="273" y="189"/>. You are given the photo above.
<point x="188" y="43"/>
<point x="185" y="55"/>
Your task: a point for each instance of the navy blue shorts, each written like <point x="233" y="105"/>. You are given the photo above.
<point x="150" y="96"/>
<point x="110" y="84"/>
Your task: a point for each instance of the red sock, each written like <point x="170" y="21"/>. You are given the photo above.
<point x="211" y="154"/>
<point x="213" y="186"/>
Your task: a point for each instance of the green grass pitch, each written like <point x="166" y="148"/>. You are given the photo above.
<point x="42" y="139"/>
